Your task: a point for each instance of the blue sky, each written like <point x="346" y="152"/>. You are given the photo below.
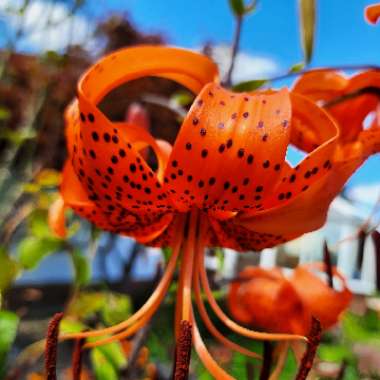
<point x="343" y="37"/>
<point x="272" y="31"/>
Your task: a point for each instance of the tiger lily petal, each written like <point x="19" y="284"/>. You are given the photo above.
<point x="266" y="298"/>
<point x="324" y="303"/>
<point x="372" y="13"/>
<point x="323" y="86"/>
<point x="225" y="182"/>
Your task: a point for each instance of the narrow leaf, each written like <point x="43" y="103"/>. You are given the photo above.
<point x="8" y="329"/>
<point x="104" y="370"/>
<point x="307" y="11"/>
<point x="32" y="250"/>
<point x="250" y="85"/>
<point x="297" y="67"/>
<point x="8" y="270"/>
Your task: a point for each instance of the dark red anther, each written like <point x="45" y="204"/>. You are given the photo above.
<point x="314" y="339"/>
<point x="183" y="352"/>
<point x="76" y="363"/>
<point x="51" y="347"/>
<point x="328" y="267"/>
<point x="376" y="240"/>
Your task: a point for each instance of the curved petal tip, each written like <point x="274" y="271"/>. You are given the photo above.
<point x="56" y="218"/>
<point x="372" y="13"/>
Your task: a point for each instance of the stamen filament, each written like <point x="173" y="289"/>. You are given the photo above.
<point x="187" y="264"/>
<point x="152" y="303"/>
<point x="124" y="334"/>
<point x="208" y="361"/>
<point x="203" y="313"/>
<point x="229" y="322"/>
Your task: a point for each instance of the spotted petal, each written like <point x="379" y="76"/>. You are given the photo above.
<point x="230" y="151"/>
<point x="350" y="114"/>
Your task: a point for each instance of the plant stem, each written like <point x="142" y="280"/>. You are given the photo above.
<point x="235" y="49"/>
<point x="267" y="362"/>
<point x="330" y="68"/>
<point x="369" y="90"/>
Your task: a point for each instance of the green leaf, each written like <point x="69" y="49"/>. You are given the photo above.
<point x="38" y="224"/>
<point x="19" y="136"/>
<point x="297" y="67"/>
<point x="86" y="304"/>
<point x="48" y="177"/>
<point x="32" y="250"/>
<point x="5" y="114"/>
<point x="8" y="270"/>
<point x="307" y="11"/>
<point x="112" y="353"/>
<point x="115" y="354"/>
<point x="334" y="353"/>
<point x="82" y="269"/>
<point x="250" y="85"/>
<point x="68" y="326"/>
<point x="8" y="329"/>
<point x="104" y="370"/>
<point x="117" y="309"/>
<point x="361" y="328"/>
<point x="182" y="98"/>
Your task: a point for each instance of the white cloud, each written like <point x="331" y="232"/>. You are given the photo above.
<point x="367" y="194"/>
<point x="247" y="66"/>
<point x="50" y="25"/>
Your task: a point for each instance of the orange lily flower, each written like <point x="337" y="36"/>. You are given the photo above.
<point x="372" y="13"/>
<point x="324" y="86"/>
<point x="224" y="183"/>
<point x="269" y="300"/>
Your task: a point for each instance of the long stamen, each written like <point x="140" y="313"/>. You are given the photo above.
<point x="153" y="301"/>
<point x="308" y="357"/>
<point x="187" y="264"/>
<point x="233" y="325"/>
<point x="203" y="313"/>
<point x="124" y="334"/>
<point x="183" y="352"/>
<point x="208" y="361"/>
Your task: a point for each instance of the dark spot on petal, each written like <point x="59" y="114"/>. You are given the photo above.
<point x="107" y="137"/>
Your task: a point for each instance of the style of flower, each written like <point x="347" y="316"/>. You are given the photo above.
<point x="225" y="182"/>
<point x="268" y="299"/>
